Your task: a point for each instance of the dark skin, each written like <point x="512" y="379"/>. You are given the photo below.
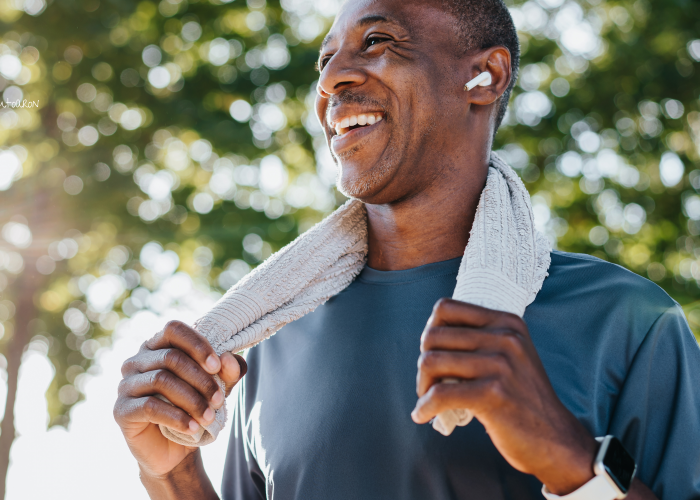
<point x="420" y="171"/>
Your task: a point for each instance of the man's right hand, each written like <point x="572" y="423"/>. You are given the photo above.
<point x="177" y="363"/>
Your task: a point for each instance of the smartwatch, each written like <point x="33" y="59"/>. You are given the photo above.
<point x="614" y="470"/>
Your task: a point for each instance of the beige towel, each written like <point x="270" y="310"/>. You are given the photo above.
<point x="504" y="265"/>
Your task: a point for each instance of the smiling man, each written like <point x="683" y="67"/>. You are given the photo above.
<point x="328" y="408"/>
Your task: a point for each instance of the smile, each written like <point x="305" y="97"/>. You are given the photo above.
<point x="349" y="130"/>
<point x="345" y="125"/>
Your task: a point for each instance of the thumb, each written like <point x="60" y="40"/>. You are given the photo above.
<point x="233" y="368"/>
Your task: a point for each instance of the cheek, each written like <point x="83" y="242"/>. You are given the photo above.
<point x="321" y="106"/>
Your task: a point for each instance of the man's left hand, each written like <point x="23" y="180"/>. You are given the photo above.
<point x="503" y="382"/>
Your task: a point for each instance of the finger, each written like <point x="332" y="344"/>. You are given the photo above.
<point x="233" y="368"/>
<point x="443" y="397"/>
<point x="152" y="410"/>
<point x="179" y="335"/>
<point x="176" y="390"/>
<point x="449" y="312"/>
<point x="434" y="366"/>
<point x="181" y="365"/>
<point x="456" y="338"/>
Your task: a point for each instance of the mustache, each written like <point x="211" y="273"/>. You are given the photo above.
<point x="349" y="96"/>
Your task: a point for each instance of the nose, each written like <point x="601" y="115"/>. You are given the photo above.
<point x="342" y="71"/>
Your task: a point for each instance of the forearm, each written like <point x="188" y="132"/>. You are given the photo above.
<point x="639" y="491"/>
<point x="187" y="481"/>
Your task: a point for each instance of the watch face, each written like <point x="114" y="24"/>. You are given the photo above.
<point x="619" y="465"/>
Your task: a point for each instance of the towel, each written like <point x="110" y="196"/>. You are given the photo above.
<point x="504" y="264"/>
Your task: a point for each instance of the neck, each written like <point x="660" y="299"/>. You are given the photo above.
<point x="430" y="226"/>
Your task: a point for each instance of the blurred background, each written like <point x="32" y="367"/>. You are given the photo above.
<point x="152" y="153"/>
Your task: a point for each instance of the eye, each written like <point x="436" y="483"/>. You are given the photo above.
<point x="322" y="63"/>
<point x="376" y="39"/>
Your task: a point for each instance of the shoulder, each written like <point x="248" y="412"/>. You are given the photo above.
<point x="603" y="301"/>
<point x="589" y="277"/>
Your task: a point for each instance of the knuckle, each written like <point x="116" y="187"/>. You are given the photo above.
<point x="511" y="342"/>
<point x="117" y="412"/>
<point x="200" y="406"/>
<point x="161" y="379"/>
<point x="210" y="387"/>
<point x="512" y="321"/>
<point x="438" y="391"/>
<point x="128" y="366"/>
<point x="441" y="304"/>
<point x="182" y="418"/>
<point x="174" y="359"/>
<point x="150" y="344"/>
<point x="501" y="363"/>
<point x="494" y="391"/>
<point x="121" y="388"/>
<point x="150" y="408"/>
<point x="427" y="361"/>
<point x="431" y="335"/>
<point x="173" y="326"/>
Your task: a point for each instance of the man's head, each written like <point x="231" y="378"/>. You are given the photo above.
<point x="403" y="64"/>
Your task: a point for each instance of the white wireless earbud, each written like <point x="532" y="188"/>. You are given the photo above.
<point x="482" y="80"/>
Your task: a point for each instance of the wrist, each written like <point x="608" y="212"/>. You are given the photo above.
<point x="571" y="468"/>
<point x="187" y="480"/>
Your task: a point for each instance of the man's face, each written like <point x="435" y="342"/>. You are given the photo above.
<point x="391" y="102"/>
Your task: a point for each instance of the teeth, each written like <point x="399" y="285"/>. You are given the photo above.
<point x="344" y="125"/>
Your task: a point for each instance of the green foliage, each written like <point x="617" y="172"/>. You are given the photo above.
<point x="133" y="142"/>
<point x="135" y="150"/>
<point x="601" y="164"/>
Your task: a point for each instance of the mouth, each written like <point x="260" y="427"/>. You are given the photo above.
<point x="348" y="130"/>
<point x="353" y="122"/>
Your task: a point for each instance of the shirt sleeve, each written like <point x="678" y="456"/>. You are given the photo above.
<point x="242" y="479"/>
<point x="657" y="414"/>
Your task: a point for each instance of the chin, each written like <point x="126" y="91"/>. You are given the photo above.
<point x="368" y="185"/>
<point x="363" y="184"/>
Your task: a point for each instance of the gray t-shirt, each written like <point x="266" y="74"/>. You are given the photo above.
<point x="324" y="411"/>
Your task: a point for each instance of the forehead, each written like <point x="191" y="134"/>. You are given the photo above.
<point x="401" y="13"/>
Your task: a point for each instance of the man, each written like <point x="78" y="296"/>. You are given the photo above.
<point x="328" y="408"/>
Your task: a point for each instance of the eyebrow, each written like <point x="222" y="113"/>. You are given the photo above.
<point x="370" y="19"/>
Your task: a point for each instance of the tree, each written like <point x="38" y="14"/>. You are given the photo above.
<point x="165" y="136"/>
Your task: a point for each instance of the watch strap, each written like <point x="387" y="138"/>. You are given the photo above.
<point x="597" y="488"/>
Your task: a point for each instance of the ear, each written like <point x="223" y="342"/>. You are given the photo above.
<point x="495" y="60"/>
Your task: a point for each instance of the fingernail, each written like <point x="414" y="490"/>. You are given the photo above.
<point x="242" y="364"/>
<point x="208" y="415"/>
<point x="213" y="363"/>
<point x="194" y="426"/>
<point x="217" y="398"/>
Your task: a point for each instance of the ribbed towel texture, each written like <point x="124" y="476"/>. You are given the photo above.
<point x="504" y="265"/>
